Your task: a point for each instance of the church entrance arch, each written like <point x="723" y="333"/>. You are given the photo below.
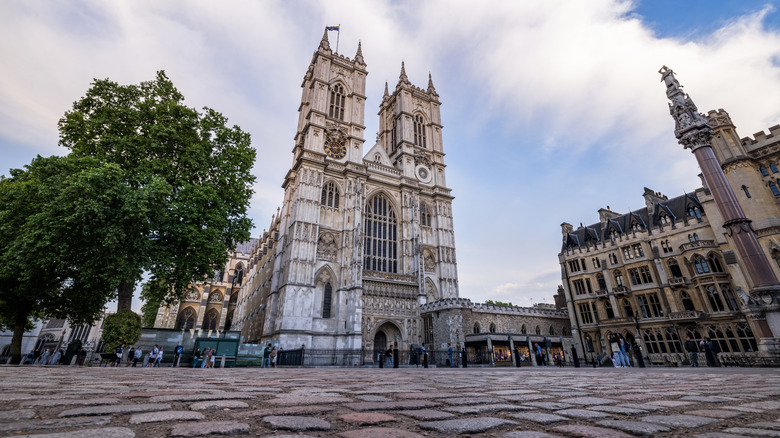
<point x="387" y="335"/>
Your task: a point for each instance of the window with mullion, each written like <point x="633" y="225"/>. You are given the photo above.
<point x="381" y="232"/>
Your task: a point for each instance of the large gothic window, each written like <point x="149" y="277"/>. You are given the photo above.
<point x="211" y="320"/>
<point x="239" y="276"/>
<point x="337" y="99"/>
<point x="380" y="245"/>
<point x="419" y="131"/>
<point x="327" y="299"/>
<point x="701" y="265"/>
<point x="675" y="268"/>
<point x="186" y="319"/>
<point x="330" y="195"/>
<point x="425" y="215"/>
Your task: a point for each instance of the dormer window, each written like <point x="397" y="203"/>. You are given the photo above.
<point x="773" y="167"/>
<point x="763" y="171"/>
<point x="694" y="211"/>
<point x="664" y="219"/>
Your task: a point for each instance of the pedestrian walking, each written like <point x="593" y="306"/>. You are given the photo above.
<point x="449" y="353"/>
<point x="206" y="358"/>
<point x="44" y="359"/>
<point x="539" y="355"/>
<point x="55" y="360"/>
<point x="158" y="359"/>
<point x="273" y="357"/>
<point x="389" y="358"/>
<point x="266" y="356"/>
<point x="693" y="351"/>
<point x="195" y="357"/>
<point x="130" y="355"/>
<point x="711" y="351"/>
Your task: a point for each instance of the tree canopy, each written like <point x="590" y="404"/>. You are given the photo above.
<point x="199" y="166"/>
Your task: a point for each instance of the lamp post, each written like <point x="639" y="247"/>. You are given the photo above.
<point x="638" y="354"/>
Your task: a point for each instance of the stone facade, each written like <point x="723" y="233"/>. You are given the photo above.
<point x="209" y="307"/>
<point x="672" y="269"/>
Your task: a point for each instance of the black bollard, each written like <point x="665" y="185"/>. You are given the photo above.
<point x="575" y="359"/>
<point x="381" y="360"/>
<point x="396" y="358"/>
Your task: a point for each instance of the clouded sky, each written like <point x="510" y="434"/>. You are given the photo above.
<point x="551" y="110"/>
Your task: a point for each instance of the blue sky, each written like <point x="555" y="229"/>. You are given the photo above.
<point x="551" y="110"/>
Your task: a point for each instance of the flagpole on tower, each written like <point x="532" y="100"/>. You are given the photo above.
<point x="338" y="34"/>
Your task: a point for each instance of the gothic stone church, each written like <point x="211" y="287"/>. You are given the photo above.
<point x="362" y="240"/>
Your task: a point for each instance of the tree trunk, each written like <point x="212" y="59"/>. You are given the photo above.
<point x="125" y="296"/>
<point x="16" y="340"/>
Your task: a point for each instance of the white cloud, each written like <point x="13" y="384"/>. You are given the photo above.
<point x="551" y="110"/>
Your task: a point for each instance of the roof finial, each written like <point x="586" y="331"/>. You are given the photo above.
<point x="324" y="44"/>
<point x="387" y="94"/>
<point x="431" y="88"/>
<point x="359" y="53"/>
<point x="402" y="77"/>
<point x="689" y="123"/>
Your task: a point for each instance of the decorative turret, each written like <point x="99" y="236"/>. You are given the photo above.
<point x="324" y="44"/>
<point x="431" y="89"/>
<point x="691" y="128"/>
<point x="402" y="79"/>
<point x="387" y="93"/>
<point x="359" y="55"/>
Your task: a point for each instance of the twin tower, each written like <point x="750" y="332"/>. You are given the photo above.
<point x="362" y="239"/>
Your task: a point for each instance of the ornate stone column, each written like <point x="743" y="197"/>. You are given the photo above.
<point x="693" y="132"/>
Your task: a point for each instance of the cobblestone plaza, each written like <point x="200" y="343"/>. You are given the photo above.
<point x="405" y="402"/>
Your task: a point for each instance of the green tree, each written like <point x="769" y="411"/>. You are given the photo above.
<point x="61" y="219"/>
<point x="199" y="165"/>
<point x="498" y="303"/>
<point x="123" y="327"/>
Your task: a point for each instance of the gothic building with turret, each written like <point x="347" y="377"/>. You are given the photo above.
<point x="701" y="264"/>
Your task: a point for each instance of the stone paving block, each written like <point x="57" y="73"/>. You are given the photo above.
<point x="476" y="409"/>
<point x="293" y="422"/>
<point x="199" y="397"/>
<point x="766" y="425"/>
<point x="426" y="395"/>
<point x="115" y="409"/>
<point x="765" y="405"/>
<point x="70" y="402"/>
<point x="292" y="410"/>
<point x="669" y="403"/>
<point x="366" y="418"/>
<point x="513" y="392"/>
<point x="636" y="397"/>
<point x="377" y="406"/>
<point x="754" y="432"/>
<point x="154" y="417"/>
<point x="23" y="396"/>
<point x="588" y="401"/>
<point x="682" y="421"/>
<point x="582" y="414"/>
<point x="427" y="414"/>
<point x="549" y="405"/>
<point x="209" y="428"/>
<point x="743" y="409"/>
<point x="634" y="427"/>
<point x="621" y="410"/>
<point x="460" y="401"/>
<point x="105" y="432"/>
<point x="467" y="425"/>
<point x="642" y="406"/>
<point x="538" y="417"/>
<point x="218" y="404"/>
<point x="719" y="435"/>
<point x="373" y="398"/>
<point x="579" y="430"/>
<point x="301" y="400"/>
<point x="55" y="424"/>
<point x="527" y="434"/>
<point x="522" y="398"/>
<point x="705" y="399"/>
<point x="380" y="432"/>
<point x="17" y="414"/>
<point x="715" y="413"/>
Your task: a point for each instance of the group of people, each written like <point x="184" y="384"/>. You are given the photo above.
<point x="45" y="358"/>
<point x="206" y="358"/>
<point x="620" y="350"/>
<point x="269" y="356"/>
<point x="136" y="355"/>
<point x="709" y="348"/>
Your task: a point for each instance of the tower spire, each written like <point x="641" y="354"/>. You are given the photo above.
<point x="431" y="89"/>
<point x="387" y="94"/>
<point x="324" y="44"/>
<point x="402" y="78"/>
<point x="359" y="54"/>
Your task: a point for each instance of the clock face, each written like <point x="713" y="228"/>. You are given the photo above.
<point x="335" y="148"/>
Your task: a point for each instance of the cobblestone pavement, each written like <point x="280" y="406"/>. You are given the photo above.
<point x="500" y="402"/>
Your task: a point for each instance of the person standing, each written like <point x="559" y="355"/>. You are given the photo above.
<point x="693" y="351"/>
<point x="539" y="355"/>
<point x="449" y="353"/>
<point x="614" y="344"/>
<point x="389" y="357"/>
<point x="710" y="352"/>
<point x="137" y="355"/>
<point x="273" y="357"/>
<point x="130" y="355"/>
<point x="206" y="357"/>
<point x="55" y="360"/>
<point x="44" y="359"/>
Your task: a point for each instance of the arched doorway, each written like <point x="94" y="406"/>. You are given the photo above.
<point x="380" y="344"/>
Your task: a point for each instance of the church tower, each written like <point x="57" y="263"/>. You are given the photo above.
<point x="363" y="239"/>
